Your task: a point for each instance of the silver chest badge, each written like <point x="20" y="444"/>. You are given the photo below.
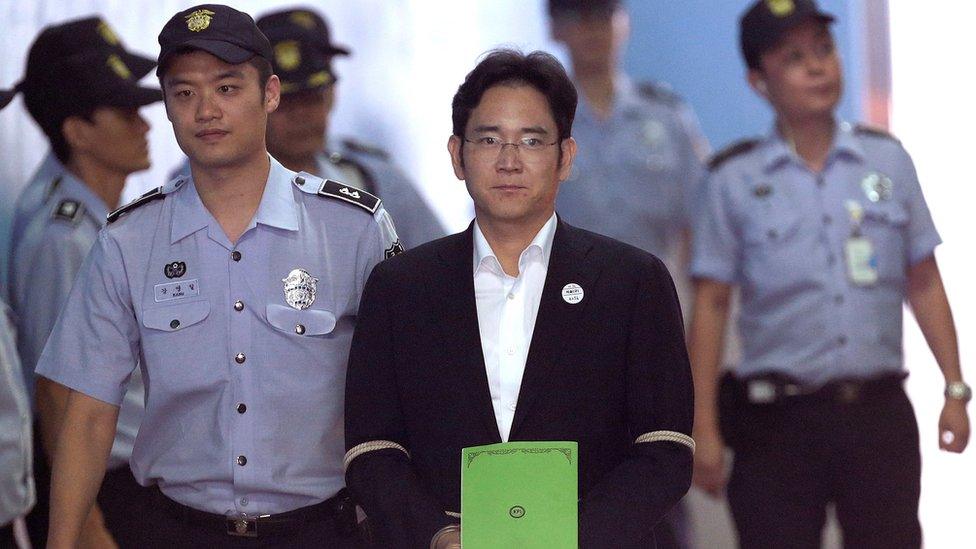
<point x="877" y="187"/>
<point x="299" y="289"/>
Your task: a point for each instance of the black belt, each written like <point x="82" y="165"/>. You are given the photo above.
<point x="339" y="508"/>
<point x="775" y="388"/>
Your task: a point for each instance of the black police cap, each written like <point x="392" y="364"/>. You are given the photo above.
<point x="59" y="42"/>
<point x="579" y="7"/>
<point x="303" y="25"/>
<point x="765" y="23"/>
<point x="219" y="30"/>
<point x="302" y="48"/>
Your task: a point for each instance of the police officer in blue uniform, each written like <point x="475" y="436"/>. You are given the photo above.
<point x="30" y="199"/>
<point x="824" y="228"/>
<point x="297" y="131"/>
<point x="234" y="290"/>
<point x="81" y="86"/>
<point x="641" y="155"/>
<point x="16" y="482"/>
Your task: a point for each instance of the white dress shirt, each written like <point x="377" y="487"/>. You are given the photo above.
<point x="507" y="308"/>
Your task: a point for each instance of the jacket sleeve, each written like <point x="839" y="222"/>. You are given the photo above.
<point x="400" y="509"/>
<point x="623" y="508"/>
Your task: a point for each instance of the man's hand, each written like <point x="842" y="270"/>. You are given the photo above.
<point x="94" y="534"/>
<point x="709" y="472"/>
<point x="955" y="421"/>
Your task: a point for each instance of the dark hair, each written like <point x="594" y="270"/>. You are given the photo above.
<point x="51" y="119"/>
<point x="262" y="65"/>
<point x="512" y="67"/>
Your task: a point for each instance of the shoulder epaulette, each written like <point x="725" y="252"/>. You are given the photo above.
<point x="144" y="199"/>
<point x="733" y="150"/>
<point x="69" y="210"/>
<point x="363" y="148"/>
<point x="659" y="91"/>
<point x="338" y="191"/>
<point x="862" y="129"/>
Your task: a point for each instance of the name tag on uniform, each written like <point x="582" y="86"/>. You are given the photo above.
<point x="176" y="290"/>
<point x="862" y="262"/>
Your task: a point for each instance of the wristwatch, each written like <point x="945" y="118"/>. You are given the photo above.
<point x="958" y="390"/>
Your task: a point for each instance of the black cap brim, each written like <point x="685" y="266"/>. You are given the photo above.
<point x="225" y="51"/>
<point x="138" y="64"/>
<point x="337" y="50"/>
<point x="6" y="96"/>
<point x="131" y="96"/>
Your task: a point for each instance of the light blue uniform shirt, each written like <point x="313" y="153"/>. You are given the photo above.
<point x="779" y="232"/>
<point x="56" y="238"/>
<point x="16" y="475"/>
<point x="244" y="406"/>
<point x="637" y="174"/>
<point x="31" y="198"/>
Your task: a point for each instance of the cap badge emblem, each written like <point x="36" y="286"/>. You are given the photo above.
<point x="118" y="67"/>
<point x="199" y="20"/>
<point x="781" y="8"/>
<point x="299" y="289"/>
<point x="107" y="33"/>
<point x="303" y="19"/>
<point x="288" y="55"/>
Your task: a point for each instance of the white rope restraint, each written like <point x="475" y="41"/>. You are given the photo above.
<point x="370" y="446"/>
<point x="452" y="514"/>
<point x="667" y="436"/>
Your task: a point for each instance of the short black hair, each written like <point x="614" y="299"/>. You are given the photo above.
<point x="538" y="69"/>
<point x="51" y="121"/>
<point x="262" y="65"/>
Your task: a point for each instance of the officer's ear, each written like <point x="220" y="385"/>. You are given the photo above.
<point x="455" y="146"/>
<point x="567" y="149"/>
<point x="75" y="132"/>
<point x="757" y="81"/>
<point x="272" y="94"/>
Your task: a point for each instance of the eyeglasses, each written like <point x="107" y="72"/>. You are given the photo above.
<point x="527" y="145"/>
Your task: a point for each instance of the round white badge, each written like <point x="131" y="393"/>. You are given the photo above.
<point x="572" y="293"/>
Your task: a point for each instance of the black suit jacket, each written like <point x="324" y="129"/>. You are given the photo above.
<point x="601" y="372"/>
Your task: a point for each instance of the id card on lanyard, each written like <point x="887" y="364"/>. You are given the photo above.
<point x="862" y="261"/>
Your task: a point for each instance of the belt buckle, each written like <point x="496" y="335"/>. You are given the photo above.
<point x="242" y="526"/>
<point x="848" y="392"/>
<point x="761" y="391"/>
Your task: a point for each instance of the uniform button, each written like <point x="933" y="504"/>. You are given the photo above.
<point x="838" y="299"/>
<point x="241" y="408"/>
<point x="820" y="181"/>
<point x="511" y="296"/>
<point x="244" y="501"/>
<point x="241" y="460"/>
<point x="235" y="255"/>
<point x="240" y="358"/>
<point x="299" y="329"/>
<point x="511" y="406"/>
<point x="831" y="259"/>
<point x="827" y="219"/>
<point x="174" y="324"/>
<point x="842" y="340"/>
<point x="772" y="234"/>
<point x="238" y="305"/>
<point x="299" y="180"/>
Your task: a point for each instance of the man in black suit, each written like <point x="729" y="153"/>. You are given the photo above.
<point x="520" y="328"/>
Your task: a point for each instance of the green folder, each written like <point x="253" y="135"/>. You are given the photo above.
<point x="520" y="495"/>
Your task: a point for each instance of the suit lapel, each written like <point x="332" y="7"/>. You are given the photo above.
<point x="462" y="320"/>
<point x="568" y="264"/>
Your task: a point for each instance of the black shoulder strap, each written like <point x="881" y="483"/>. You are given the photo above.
<point x="347" y="193"/>
<point x="733" y="150"/>
<point x="144" y="199"/>
<point x="863" y="129"/>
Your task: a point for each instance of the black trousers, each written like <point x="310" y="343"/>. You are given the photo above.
<point x="7" y="540"/>
<point x="792" y="459"/>
<point x="123" y="501"/>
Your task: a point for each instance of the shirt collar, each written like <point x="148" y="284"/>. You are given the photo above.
<point x="278" y="206"/>
<point x="72" y="188"/>
<point x="484" y="255"/>
<point x="625" y="96"/>
<point x="778" y="151"/>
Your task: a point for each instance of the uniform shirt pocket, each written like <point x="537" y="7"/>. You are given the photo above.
<point x="171" y="318"/>
<point x="308" y="322"/>
<point x="771" y="226"/>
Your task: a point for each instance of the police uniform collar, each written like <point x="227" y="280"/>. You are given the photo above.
<point x="276" y="209"/>
<point x="72" y="188"/>
<point x="625" y="96"/>
<point x="778" y="151"/>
